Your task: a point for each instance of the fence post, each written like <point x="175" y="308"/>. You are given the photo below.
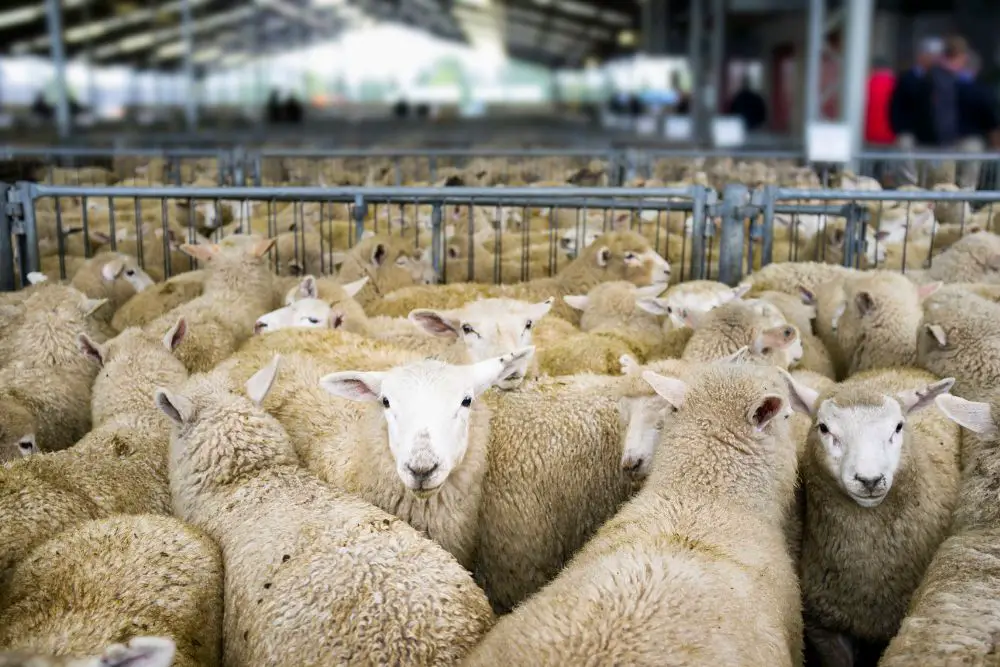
<point x="699" y="213"/>
<point x="6" y="245"/>
<point x="735" y="198"/>
<point x="436" y="236"/>
<point x="239" y="166"/>
<point x="855" y="218"/>
<point x="21" y="207"/>
<point x="767" y="226"/>
<point x="360" y="212"/>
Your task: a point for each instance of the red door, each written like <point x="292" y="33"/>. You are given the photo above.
<point x="782" y="78"/>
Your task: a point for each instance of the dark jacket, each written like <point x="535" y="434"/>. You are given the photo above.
<point x="750" y="105"/>
<point x="909" y="109"/>
<point x="978" y="114"/>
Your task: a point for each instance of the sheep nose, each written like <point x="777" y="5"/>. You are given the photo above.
<point x="632" y="465"/>
<point x="870" y="483"/>
<point x="422" y="472"/>
<point x="259" y="326"/>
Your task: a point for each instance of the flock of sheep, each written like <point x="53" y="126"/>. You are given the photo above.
<point x="308" y="451"/>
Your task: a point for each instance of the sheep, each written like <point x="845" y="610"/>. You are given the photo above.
<point x="161" y="298"/>
<point x="616" y="256"/>
<point x="112" y="276"/>
<point x="614" y="322"/>
<point x="638" y="591"/>
<point x="303" y="307"/>
<point x="486" y="328"/>
<point x="790" y="277"/>
<point x="693" y="296"/>
<point x="973" y="258"/>
<point x="114" y="578"/>
<point x="140" y="652"/>
<point x="880" y="484"/>
<point x="554" y="476"/>
<point x="881" y="313"/>
<point x="754" y="323"/>
<point x="801" y="311"/>
<point x="118" y="467"/>
<point x="959" y="336"/>
<point x="391" y="263"/>
<point x="45" y="384"/>
<point x="238" y="289"/>
<point x="952" y="617"/>
<point x="327" y="289"/>
<point x="387" y="593"/>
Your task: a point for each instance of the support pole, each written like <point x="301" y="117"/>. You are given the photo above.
<point x="191" y="99"/>
<point x="53" y="14"/>
<point x="696" y="20"/>
<point x="718" y="55"/>
<point x="860" y="14"/>
<point x="814" y="53"/>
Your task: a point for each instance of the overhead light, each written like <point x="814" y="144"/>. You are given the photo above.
<point x="626" y="38"/>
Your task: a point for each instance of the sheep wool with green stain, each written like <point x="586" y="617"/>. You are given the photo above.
<point x="119" y="467"/>
<point x="954" y="616"/>
<point x="388" y="593"/>
<point x="113" y="579"/>
<point x="676" y="573"/>
<point x="881" y="477"/>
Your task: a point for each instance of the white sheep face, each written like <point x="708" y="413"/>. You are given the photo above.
<point x="488" y="328"/>
<point x="570" y="240"/>
<point x="17" y="431"/>
<point x="304" y="314"/>
<point x="862" y="447"/>
<point x="426" y="406"/>
<point x="128" y="269"/>
<point x="643" y="418"/>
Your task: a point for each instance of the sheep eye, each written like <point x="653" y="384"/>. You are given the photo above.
<point x="26" y="445"/>
<point x="313" y="320"/>
<point x="899" y="427"/>
<point x="467" y="401"/>
<point x="528" y="324"/>
<point x="466" y="329"/>
<point x="823" y="428"/>
<point x="385" y="402"/>
<point x="766" y="350"/>
<point x="130" y="273"/>
<point x="630" y="255"/>
<point x="670" y="310"/>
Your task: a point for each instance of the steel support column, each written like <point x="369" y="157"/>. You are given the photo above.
<point x="53" y="14"/>
<point x="857" y="50"/>
<point x="814" y="54"/>
<point x="191" y="99"/>
<point x="717" y="55"/>
<point x="696" y="25"/>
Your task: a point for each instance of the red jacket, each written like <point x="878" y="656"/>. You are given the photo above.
<point x="878" y="130"/>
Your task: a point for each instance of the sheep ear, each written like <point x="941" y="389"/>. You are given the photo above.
<point x="739" y="292"/>
<point x="175" y="335"/>
<point x="603" y="256"/>
<point x="937" y="332"/>
<point x="864" y="302"/>
<point x="802" y="397"/>
<point x="670" y="389"/>
<point x="807" y="296"/>
<point x="262" y="247"/>
<point x="260" y="383"/>
<point x="173" y="405"/>
<point x="354" y="385"/>
<point x="91" y="306"/>
<point x="140" y="652"/>
<point x="539" y="310"/>
<point x="379" y="254"/>
<point x="740" y="356"/>
<point x="352" y="289"/>
<point x="490" y="371"/>
<point x="761" y="414"/>
<point x="335" y="319"/>
<point x="914" y="400"/>
<point x="100" y="238"/>
<point x="976" y="417"/>
<point x="90" y="349"/>
<point x="435" y="323"/>
<point x="653" y="306"/>
<point x="112" y="269"/>
<point x="204" y="253"/>
<point x="576" y="301"/>
<point x="925" y="291"/>
<point x="307" y="288"/>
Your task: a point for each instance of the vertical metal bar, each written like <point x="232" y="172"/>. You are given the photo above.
<point x="359" y="217"/>
<point x="734" y="198"/>
<point x="30" y="260"/>
<point x="53" y="15"/>
<point x="857" y="49"/>
<point x="694" y="63"/>
<point x="191" y="100"/>
<point x="767" y="236"/>
<point x="814" y="53"/>
<point x="436" y="236"/>
<point x="698" y="215"/>
<point x="718" y="54"/>
<point x="6" y="243"/>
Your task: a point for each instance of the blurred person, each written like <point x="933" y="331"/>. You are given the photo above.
<point x="401" y="109"/>
<point x="423" y="110"/>
<point x="41" y="108"/>
<point x="750" y="105"/>
<point x="881" y="84"/>
<point x="978" y="117"/>
<point x="683" y="106"/>
<point x="910" y="104"/>
<point x="275" y="113"/>
<point x="293" y="109"/>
